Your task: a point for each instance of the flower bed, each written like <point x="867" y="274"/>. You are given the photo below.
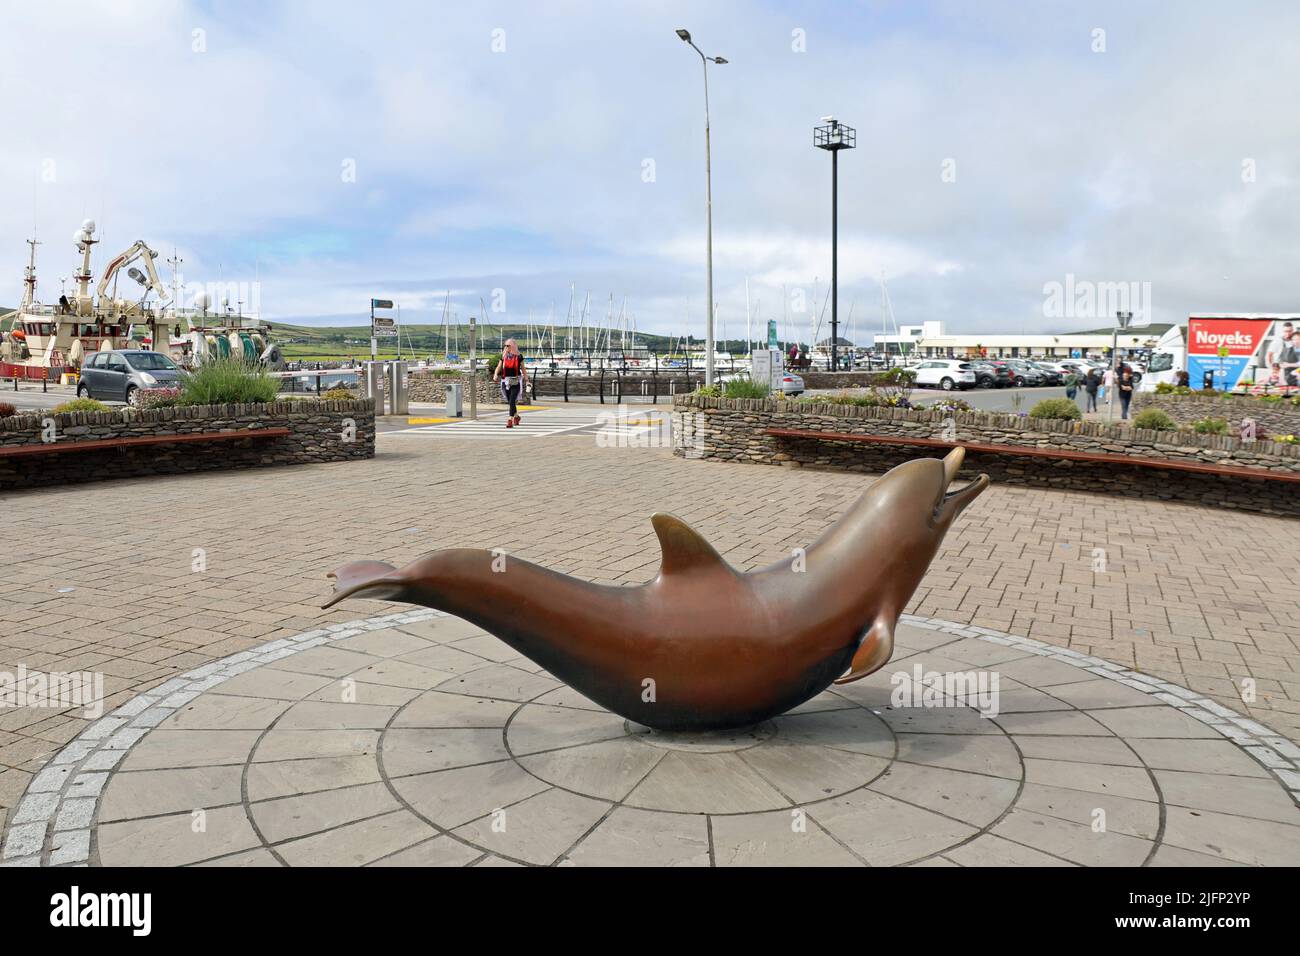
<point x="1272" y="414"/>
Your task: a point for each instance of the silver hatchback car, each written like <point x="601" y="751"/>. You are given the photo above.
<point x="122" y="374"/>
<point x="791" y="384"/>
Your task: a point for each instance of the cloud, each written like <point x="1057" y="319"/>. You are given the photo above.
<point x="337" y="151"/>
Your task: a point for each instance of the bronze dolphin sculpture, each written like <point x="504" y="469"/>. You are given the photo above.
<point x="702" y="646"/>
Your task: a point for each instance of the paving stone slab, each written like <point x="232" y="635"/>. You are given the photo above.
<point x="422" y="742"/>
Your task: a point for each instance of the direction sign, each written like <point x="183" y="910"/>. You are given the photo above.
<point x="381" y="303"/>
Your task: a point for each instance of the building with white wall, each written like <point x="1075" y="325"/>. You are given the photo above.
<point x="931" y="340"/>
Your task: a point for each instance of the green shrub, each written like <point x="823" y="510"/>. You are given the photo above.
<point x="744" y="388"/>
<point x="7" y="410"/>
<point x="81" y="405"/>
<point x="709" y="391"/>
<point x="867" y="399"/>
<point x="1154" y="419"/>
<point x="1211" y="426"/>
<point x="339" y="395"/>
<point x="1056" y="408"/>
<point x="228" y="382"/>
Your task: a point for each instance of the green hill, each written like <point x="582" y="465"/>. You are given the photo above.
<point x="307" y="342"/>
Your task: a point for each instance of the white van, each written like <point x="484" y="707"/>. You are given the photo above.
<point x="1168" y="358"/>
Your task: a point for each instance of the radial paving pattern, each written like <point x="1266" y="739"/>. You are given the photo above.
<point x="417" y="739"/>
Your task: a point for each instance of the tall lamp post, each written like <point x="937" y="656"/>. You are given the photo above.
<point x="708" y="198"/>
<point x="1122" y="320"/>
<point x="833" y="137"/>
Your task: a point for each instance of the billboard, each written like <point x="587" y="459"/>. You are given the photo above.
<point x="1224" y="351"/>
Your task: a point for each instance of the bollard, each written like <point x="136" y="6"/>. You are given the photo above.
<point x="399" y="404"/>
<point x="375" y="384"/>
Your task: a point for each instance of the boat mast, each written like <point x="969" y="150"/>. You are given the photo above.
<point x="29" y="278"/>
<point x="175" y="262"/>
<point x="85" y="240"/>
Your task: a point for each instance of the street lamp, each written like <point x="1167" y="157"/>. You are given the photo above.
<point x="1122" y="320"/>
<point x="833" y="137"/>
<point x="708" y="198"/>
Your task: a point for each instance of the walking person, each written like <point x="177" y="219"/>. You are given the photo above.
<point x="1071" y="384"/>
<point x="1090" y="385"/>
<point x="513" y="376"/>
<point x="1108" y="382"/>
<point x="1125" y="387"/>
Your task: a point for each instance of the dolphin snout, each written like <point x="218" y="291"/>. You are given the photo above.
<point x="951" y="503"/>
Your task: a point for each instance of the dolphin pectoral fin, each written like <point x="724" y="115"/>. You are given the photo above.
<point x="370" y="579"/>
<point x="873" y="653"/>
<point x="684" y="548"/>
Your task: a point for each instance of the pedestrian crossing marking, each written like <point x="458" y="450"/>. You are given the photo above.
<point x="539" y="423"/>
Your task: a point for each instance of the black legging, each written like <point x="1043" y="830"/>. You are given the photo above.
<point x="1124" y="399"/>
<point x="512" y="396"/>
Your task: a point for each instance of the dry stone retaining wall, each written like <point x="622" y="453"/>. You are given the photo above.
<point x="732" y="430"/>
<point x="319" y="432"/>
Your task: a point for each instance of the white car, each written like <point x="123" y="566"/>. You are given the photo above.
<point x="946" y="374"/>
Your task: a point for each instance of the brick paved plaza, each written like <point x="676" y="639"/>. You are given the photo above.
<point x="451" y="725"/>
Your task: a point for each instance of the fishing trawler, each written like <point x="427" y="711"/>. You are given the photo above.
<point x="50" y="340"/>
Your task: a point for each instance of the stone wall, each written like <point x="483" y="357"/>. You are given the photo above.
<point x="1270" y="417"/>
<point x="732" y="430"/>
<point x="422" y="385"/>
<point x="320" y="432"/>
<point x="856" y="379"/>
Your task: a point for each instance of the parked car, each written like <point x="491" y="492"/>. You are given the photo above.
<point x="1018" y="377"/>
<point x="946" y="374"/>
<point x="791" y="384"/>
<point x="988" y="375"/>
<point x="1026" y="372"/>
<point x="1051" y="374"/>
<point x="120" y="375"/>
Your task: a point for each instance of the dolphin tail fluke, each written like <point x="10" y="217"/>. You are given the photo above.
<point x="873" y="653"/>
<point x="368" y="579"/>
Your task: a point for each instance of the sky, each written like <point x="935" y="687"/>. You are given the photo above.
<point x="321" y="153"/>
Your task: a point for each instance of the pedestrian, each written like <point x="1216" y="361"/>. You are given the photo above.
<point x="1125" y="387"/>
<point x="1071" y="384"/>
<point x="513" y="376"/>
<point x="1090" y="385"/>
<point x="1107" y="382"/>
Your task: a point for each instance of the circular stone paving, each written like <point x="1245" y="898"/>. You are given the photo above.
<point x="417" y="739"/>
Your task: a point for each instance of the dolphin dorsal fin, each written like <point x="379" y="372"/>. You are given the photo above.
<point x="684" y="548"/>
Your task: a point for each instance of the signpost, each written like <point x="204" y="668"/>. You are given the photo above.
<point x="380" y="326"/>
